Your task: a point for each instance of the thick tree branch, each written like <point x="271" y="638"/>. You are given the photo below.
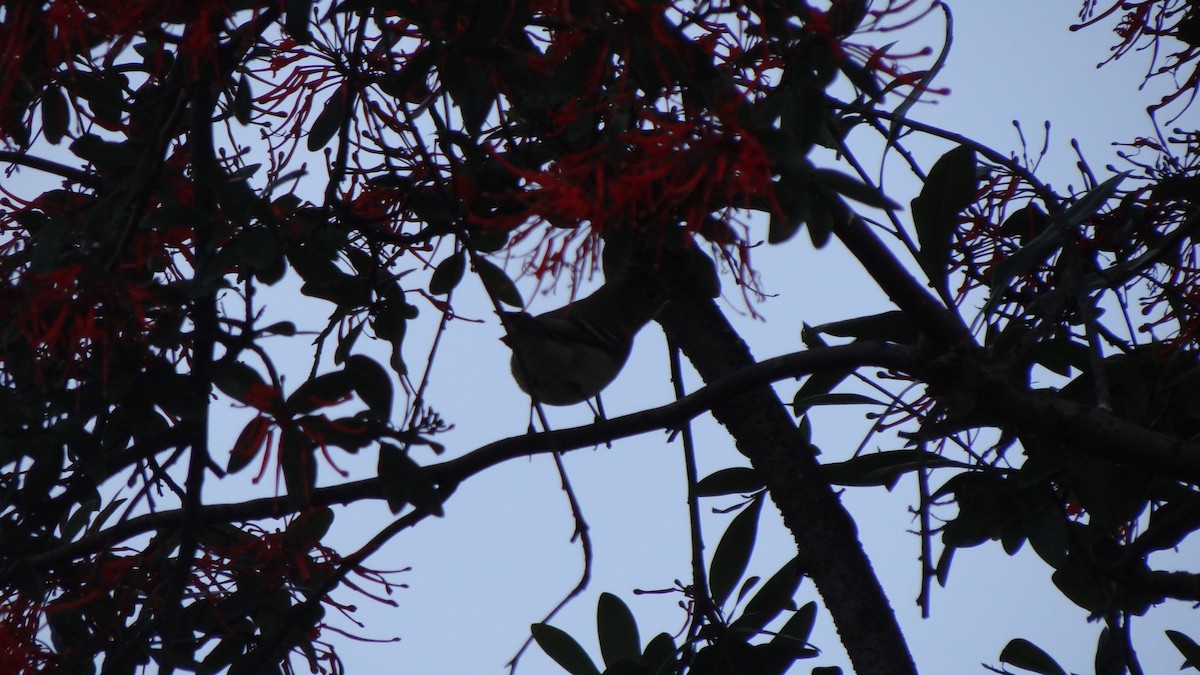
<point x="825" y="534"/>
<point x="1089" y="430"/>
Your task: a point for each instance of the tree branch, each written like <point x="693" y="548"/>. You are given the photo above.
<point x="941" y="324"/>
<point x="447" y="475"/>
<point x="825" y="534"/>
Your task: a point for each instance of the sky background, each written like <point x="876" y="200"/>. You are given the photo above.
<point x="501" y="558"/>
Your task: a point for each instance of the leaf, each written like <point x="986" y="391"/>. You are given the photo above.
<point x="497" y="283"/>
<point x="949" y="188"/>
<point x="1086" y="206"/>
<point x="617" y="630"/>
<point x="1109" y="654"/>
<point x="307" y="530"/>
<point x="321" y="391"/>
<point x="1024" y="654"/>
<point x="101" y="517"/>
<point x="243" y="101"/>
<point x="234" y="378"/>
<point x="803" y="405"/>
<point x="257" y="248"/>
<point x="817" y="384"/>
<point x="734" y="480"/>
<point x="659" y="653"/>
<point x="1033" y="254"/>
<point x="448" y="273"/>
<point x="248" y="444"/>
<point x="329" y="120"/>
<point x="563" y="648"/>
<point x="403" y="481"/>
<point x="346" y="343"/>
<point x="853" y="188"/>
<point x="893" y="326"/>
<point x="47" y="244"/>
<point x="72" y="526"/>
<point x="882" y="468"/>
<point x="56" y="114"/>
<point x="785" y="221"/>
<point x="775" y="596"/>
<point x="1186" y="646"/>
<point x="733" y="553"/>
<point x="747" y="586"/>
<point x="297" y="13"/>
<point x="470" y="85"/>
<point x="800" y="626"/>
<point x="373" y="384"/>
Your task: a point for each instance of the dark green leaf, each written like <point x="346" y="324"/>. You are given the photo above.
<point x="949" y="188"/>
<point x="803" y="405"/>
<point x="448" y="273"/>
<point x="235" y="378"/>
<point x="734" y="480"/>
<point x="853" y="189"/>
<point x="617" y="630"/>
<point x="1025" y="260"/>
<point x="563" y="648"/>
<point x="1109" y="655"/>
<point x="882" y="468"/>
<point x="103" y="516"/>
<point x="346" y="343"/>
<point x="471" y="87"/>
<point x="403" y="481"/>
<point x="1086" y="206"/>
<point x="819" y="216"/>
<point x="497" y="283"/>
<point x="243" y="101"/>
<point x="298" y="465"/>
<point x="1047" y="534"/>
<point x="285" y="328"/>
<point x="56" y="114"/>
<point x="48" y="244"/>
<point x="373" y="384"/>
<point x="1025" y="223"/>
<point x="1081" y="587"/>
<point x="792" y="196"/>
<point x="307" y="530"/>
<point x="321" y="391"/>
<point x="659" y="652"/>
<point x="73" y="525"/>
<point x="799" y="626"/>
<point x="775" y="596"/>
<point x="248" y="444"/>
<point x="894" y="326"/>
<point x="326" y="126"/>
<point x="817" y="384"/>
<point x="1024" y="654"/>
<point x="257" y="248"/>
<point x="733" y="552"/>
<point x="297" y="15"/>
<point x="1187" y="647"/>
<point x="812" y="339"/>
<point x="748" y="585"/>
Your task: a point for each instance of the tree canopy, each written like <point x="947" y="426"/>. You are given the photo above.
<point x="177" y="174"/>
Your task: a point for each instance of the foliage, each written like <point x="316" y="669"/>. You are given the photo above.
<point x="378" y="154"/>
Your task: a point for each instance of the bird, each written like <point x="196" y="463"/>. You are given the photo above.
<point x="568" y="355"/>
